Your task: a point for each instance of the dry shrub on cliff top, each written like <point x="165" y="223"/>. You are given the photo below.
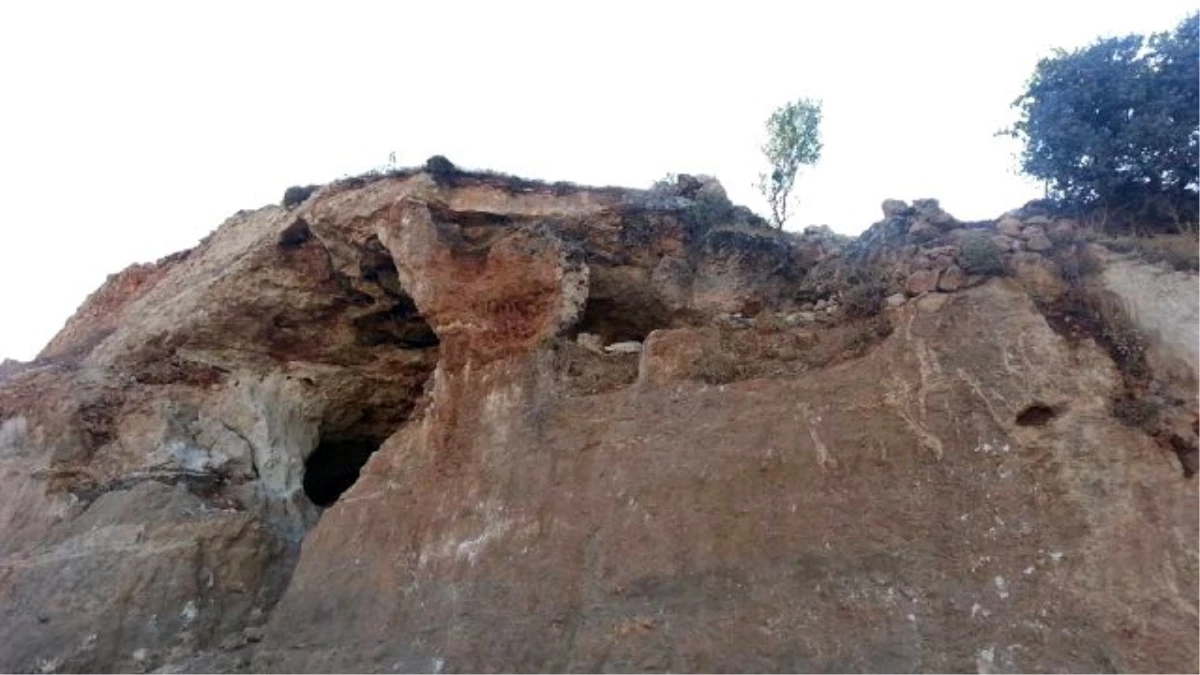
<point x="1180" y="251"/>
<point x="980" y="255"/>
<point x="297" y="195"/>
<point x="440" y="168"/>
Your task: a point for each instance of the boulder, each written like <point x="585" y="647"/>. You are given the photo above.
<point x="1039" y="242"/>
<point x="711" y="190"/>
<point x="931" y="211"/>
<point x="1009" y="227"/>
<point x="1003" y="242"/>
<point x="921" y="281"/>
<point x="1040" y="276"/>
<point x="1062" y="230"/>
<point x="895" y="208"/>
<point x="951" y="279"/>
<point x="922" y="231"/>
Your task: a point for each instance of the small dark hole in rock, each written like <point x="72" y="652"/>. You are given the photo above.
<point x="295" y="234"/>
<point x="334" y="466"/>
<point x="1036" y="415"/>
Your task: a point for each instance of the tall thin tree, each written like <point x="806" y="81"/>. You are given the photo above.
<point x="793" y="140"/>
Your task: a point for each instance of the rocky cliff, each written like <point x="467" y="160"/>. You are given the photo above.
<point x="443" y="421"/>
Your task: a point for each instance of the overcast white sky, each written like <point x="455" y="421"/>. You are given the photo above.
<point x="131" y="130"/>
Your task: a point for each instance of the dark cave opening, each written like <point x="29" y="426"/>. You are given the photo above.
<point x="398" y="321"/>
<point x="334" y="466"/>
<point x="616" y="321"/>
<point x="400" y="324"/>
<point x="1036" y="415"/>
<point x="295" y="234"/>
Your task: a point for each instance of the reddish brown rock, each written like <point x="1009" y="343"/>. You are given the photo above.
<point x="921" y="281"/>
<point x="952" y="278"/>
<point x="1009" y="227"/>
<point x="626" y="552"/>
<point x="527" y="287"/>
<point x="1040" y="276"/>
<point x="396" y="373"/>
<point x="104" y="309"/>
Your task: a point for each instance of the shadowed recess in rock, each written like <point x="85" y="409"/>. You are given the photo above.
<point x="1036" y="415"/>
<point x="334" y="466"/>
<point x="400" y="325"/>
<point x="295" y="234"/>
<point x="621" y="320"/>
<point x="1188" y="453"/>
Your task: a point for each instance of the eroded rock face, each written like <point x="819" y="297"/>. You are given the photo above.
<point x="678" y="525"/>
<point x="1161" y="303"/>
<point x="214" y="377"/>
<point x="487" y="293"/>
<point x="540" y="427"/>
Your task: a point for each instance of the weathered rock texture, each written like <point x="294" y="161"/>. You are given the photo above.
<point x="993" y="470"/>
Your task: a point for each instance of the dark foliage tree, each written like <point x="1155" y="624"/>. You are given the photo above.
<point x="1115" y="126"/>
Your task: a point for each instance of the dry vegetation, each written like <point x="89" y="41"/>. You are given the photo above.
<point x="1180" y="251"/>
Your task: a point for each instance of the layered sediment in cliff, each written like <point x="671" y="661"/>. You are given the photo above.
<point x="446" y="421"/>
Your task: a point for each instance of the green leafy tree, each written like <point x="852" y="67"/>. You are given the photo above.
<point x="793" y="140"/>
<point x="1116" y="125"/>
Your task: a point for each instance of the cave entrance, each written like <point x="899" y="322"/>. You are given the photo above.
<point x="1036" y="415"/>
<point x="334" y="466"/>
<point x="617" y="321"/>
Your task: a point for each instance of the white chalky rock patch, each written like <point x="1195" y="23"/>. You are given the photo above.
<point x="189" y="612"/>
<point x="986" y="661"/>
